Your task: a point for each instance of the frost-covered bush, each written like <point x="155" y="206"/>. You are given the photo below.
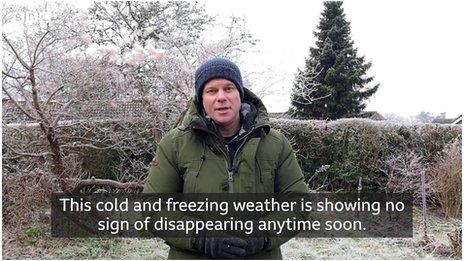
<point x="333" y="155"/>
<point x="360" y="148"/>
<point x="445" y="176"/>
<point x="117" y="150"/>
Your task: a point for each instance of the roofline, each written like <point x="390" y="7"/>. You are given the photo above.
<point x="459" y="118"/>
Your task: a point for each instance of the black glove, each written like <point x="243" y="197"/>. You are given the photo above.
<point x="220" y="245"/>
<point x="257" y="241"/>
<point x="255" y="244"/>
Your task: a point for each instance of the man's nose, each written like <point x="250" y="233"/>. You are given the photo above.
<point x="221" y="95"/>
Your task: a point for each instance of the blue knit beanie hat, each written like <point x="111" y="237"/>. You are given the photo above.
<point x="217" y="68"/>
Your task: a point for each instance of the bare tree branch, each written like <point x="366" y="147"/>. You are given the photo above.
<point x="59" y="115"/>
<point x="14" y="77"/>
<point x="25" y="153"/>
<point x="17" y="104"/>
<point x="23" y="63"/>
<point x="106" y="182"/>
<point x="87" y="145"/>
<point x="54" y="93"/>
<point x="34" y="57"/>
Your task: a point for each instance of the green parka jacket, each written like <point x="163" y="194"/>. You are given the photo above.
<point x="193" y="158"/>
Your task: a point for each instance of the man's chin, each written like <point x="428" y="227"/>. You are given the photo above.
<point x="221" y="122"/>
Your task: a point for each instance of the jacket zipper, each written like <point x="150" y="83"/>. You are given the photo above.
<point x="230" y="172"/>
<point x="230" y="169"/>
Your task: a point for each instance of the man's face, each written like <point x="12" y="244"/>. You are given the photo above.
<point x="221" y="100"/>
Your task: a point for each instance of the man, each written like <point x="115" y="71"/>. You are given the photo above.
<point x="224" y="145"/>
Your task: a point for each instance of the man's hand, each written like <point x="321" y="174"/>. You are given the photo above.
<point x="255" y="244"/>
<point x="220" y="245"/>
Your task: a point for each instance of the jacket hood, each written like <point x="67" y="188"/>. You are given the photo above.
<point x="252" y="111"/>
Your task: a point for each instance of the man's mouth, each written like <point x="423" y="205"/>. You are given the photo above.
<point x="222" y="109"/>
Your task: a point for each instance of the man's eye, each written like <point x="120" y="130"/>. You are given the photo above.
<point x="229" y="89"/>
<point x="210" y="91"/>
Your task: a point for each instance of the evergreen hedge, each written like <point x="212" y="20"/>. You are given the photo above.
<point x="334" y="153"/>
<point x="342" y="151"/>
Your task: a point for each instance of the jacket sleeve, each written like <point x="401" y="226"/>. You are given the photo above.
<point x="289" y="180"/>
<point x="164" y="174"/>
<point x="165" y="177"/>
<point x="289" y="177"/>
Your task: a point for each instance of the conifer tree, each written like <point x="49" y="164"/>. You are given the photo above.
<point x="333" y="83"/>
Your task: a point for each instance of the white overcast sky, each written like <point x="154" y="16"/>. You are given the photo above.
<point x="416" y="48"/>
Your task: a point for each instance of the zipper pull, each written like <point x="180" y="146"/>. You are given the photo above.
<point x="231" y="171"/>
<point x="231" y="179"/>
<point x="201" y="164"/>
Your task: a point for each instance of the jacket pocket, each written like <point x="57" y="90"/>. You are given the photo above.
<point x="265" y="178"/>
<point x="190" y="177"/>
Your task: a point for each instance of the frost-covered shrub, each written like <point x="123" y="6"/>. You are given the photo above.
<point x="119" y="150"/>
<point x="445" y="176"/>
<point x="360" y="148"/>
<point x="333" y="155"/>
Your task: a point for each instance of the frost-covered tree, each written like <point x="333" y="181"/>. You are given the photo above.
<point x="45" y="82"/>
<point x="59" y="67"/>
<point x="127" y="24"/>
<point x="157" y="45"/>
<point x="425" y="117"/>
<point x="333" y="83"/>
